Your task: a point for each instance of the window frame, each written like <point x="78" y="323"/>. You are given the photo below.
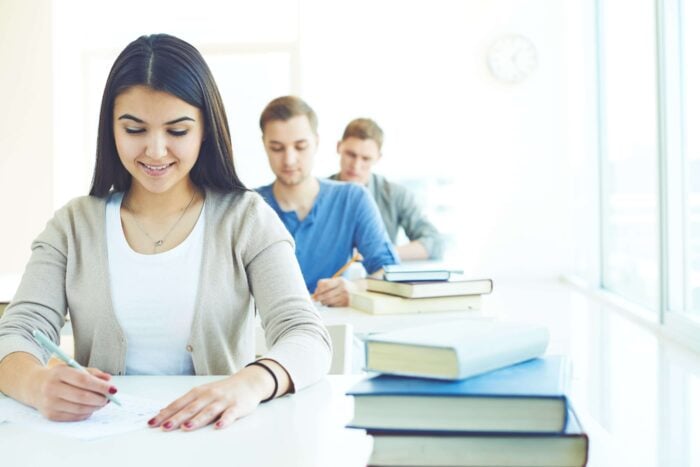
<point x="672" y="316"/>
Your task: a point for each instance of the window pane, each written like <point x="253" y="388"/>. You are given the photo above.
<point x="629" y="138"/>
<point x="691" y="101"/>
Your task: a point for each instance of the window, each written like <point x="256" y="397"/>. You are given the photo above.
<point x="690" y="78"/>
<point x="247" y="82"/>
<point x="629" y="166"/>
<point x="650" y="158"/>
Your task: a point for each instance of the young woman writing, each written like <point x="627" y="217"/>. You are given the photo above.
<point x="162" y="267"/>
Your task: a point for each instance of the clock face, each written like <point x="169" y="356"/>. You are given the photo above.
<point x="512" y="58"/>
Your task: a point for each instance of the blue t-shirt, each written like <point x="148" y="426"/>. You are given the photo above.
<point x="344" y="216"/>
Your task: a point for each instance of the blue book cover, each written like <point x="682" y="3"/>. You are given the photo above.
<point x="529" y="396"/>
<point x="539" y="377"/>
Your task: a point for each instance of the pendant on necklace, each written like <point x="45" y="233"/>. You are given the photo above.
<point x="158" y="243"/>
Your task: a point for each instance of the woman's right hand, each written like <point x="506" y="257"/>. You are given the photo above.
<point x="65" y="394"/>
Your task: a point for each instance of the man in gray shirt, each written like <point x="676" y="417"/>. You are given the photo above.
<point x="359" y="150"/>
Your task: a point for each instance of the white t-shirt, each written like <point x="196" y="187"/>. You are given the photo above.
<point x="154" y="297"/>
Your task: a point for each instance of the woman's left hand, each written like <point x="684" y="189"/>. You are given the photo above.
<point x="221" y="402"/>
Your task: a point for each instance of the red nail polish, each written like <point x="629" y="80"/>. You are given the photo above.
<point x="152" y="421"/>
<point x="112" y="390"/>
<point x="219" y="424"/>
<point x="189" y="424"/>
<point x="168" y="425"/>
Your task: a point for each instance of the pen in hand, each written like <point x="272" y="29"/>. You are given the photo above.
<point x="340" y="271"/>
<point x="47" y="344"/>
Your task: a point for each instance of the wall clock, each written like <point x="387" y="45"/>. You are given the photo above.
<point x="512" y="58"/>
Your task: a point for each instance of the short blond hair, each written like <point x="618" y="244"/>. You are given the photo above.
<point x="364" y="128"/>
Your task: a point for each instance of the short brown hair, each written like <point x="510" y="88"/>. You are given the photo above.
<point x="364" y="128"/>
<point x="286" y="107"/>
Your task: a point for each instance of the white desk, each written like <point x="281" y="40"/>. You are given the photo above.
<point x="367" y="323"/>
<point x="305" y="430"/>
<point x="610" y="355"/>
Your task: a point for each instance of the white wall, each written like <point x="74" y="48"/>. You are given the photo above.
<point x="26" y="128"/>
<point x="504" y="147"/>
<point x="85" y="50"/>
<point x="506" y="154"/>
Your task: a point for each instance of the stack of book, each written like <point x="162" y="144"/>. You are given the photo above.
<point x="406" y="289"/>
<point x="468" y="393"/>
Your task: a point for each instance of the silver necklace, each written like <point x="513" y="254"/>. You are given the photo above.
<point x="159" y="243"/>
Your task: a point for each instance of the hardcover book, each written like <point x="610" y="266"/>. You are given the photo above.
<point x="423" y="289"/>
<point x="455" y="348"/>
<point x="412" y="272"/>
<point x="527" y="397"/>
<point x="568" y="448"/>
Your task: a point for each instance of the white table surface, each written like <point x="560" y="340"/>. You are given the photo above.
<point x="306" y="429"/>
<point x="367" y="323"/>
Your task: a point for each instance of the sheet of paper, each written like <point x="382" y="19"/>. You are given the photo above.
<point x="110" y="420"/>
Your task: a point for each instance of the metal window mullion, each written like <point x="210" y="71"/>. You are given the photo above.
<point x="602" y="138"/>
<point x="670" y="159"/>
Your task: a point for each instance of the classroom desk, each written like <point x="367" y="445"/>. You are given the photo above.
<point x="367" y="323"/>
<point x="305" y="430"/>
<point x="308" y="428"/>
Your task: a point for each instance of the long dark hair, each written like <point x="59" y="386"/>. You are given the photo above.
<point x="166" y="63"/>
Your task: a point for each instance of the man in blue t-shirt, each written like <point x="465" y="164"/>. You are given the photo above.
<point x="327" y="219"/>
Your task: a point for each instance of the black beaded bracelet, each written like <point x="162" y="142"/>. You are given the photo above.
<point x="272" y="373"/>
